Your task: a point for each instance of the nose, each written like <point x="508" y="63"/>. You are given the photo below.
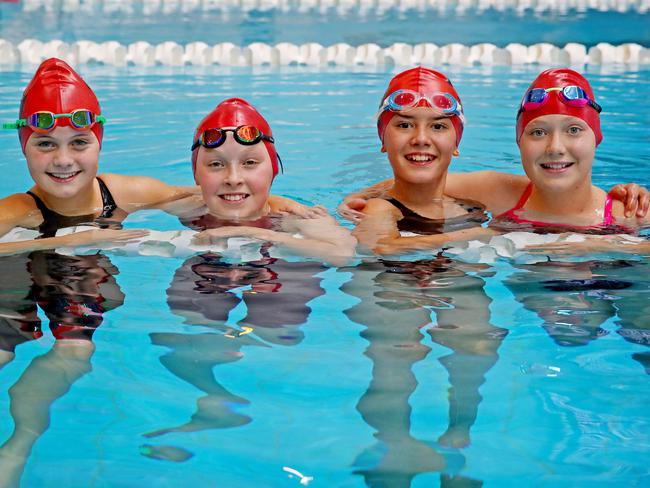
<point x="420" y="135"/>
<point x="63" y="156"/>
<point x="555" y="143"/>
<point x="233" y="174"/>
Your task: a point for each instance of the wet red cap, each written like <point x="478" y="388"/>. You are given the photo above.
<point x="425" y="81"/>
<point x="57" y="88"/>
<point x="558" y="78"/>
<point x="233" y="113"/>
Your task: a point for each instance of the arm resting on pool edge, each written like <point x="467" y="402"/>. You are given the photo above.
<point x="593" y="244"/>
<point x="90" y="238"/>
<point x="378" y="232"/>
<point x="321" y="238"/>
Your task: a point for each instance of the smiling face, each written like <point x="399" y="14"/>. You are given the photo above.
<point x="420" y="144"/>
<point x="235" y="179"/>
<point x="63" y="162"/>
<point x="557" y="152"/>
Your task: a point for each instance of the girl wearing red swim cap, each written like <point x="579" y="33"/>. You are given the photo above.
<point x="234" y="160"/>
<point x="60" y="128"/>
<point x="420" y="124"/>
<point x="558" y="129"/>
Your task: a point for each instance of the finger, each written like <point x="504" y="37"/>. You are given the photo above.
<point x="632" y="200"/>
<point x="644" y="204"/>
<point x="320" y="211"/>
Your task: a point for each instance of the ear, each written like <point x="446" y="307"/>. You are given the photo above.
<point x="456" y="152"/>
<point x="383" y="149"/>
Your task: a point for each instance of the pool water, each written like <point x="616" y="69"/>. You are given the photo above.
<point x="424" y="371"/>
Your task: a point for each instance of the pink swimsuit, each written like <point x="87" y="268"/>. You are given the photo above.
<point x="608" y="218"/>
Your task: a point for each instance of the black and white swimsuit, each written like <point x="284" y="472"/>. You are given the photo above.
<point x="53" y="221"/>
<point x="416" y="223"/>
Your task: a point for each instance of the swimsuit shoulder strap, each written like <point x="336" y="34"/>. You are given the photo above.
<point x="45" y="211"/>
<point x="608" y="217"/>
<point x="522" y="201"/>
<point x="406" y="212"/>
<point x="109" y="205"/>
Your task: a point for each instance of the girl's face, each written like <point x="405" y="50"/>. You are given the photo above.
<point x="557" y="152"/>
<point x="63" y="162"/>
<point x="235" y="179"/>
<point x="420" y="144"/>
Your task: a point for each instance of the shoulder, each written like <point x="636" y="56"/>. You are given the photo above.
<point x="19" y="209"/>
<point x="379" y="205"/>
<point x="16" y="203"/>
<point x="618" y="209"/>
<point x="502" y="191"/>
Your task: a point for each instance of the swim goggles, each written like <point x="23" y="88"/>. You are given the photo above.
<point x="247" y="135"/>
<point x="406" y="99"/>
<point x="571" y="95"/>
<point x="43" y="121"/>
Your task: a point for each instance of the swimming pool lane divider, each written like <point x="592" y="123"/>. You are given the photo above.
<point x="32" y="51"/>
<point x="355" y="7"/>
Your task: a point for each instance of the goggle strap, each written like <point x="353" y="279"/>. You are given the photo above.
<point x="281" y="165"/>
<point x="14" y="125"/>
<point x="595" y="106"/>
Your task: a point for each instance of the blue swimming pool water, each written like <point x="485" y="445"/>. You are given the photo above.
<point x="548" y="363"/>
<point x="353" y="25"/>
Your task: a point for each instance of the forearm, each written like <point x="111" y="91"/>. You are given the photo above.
<point x="332" y="251"/>
<point x="399" y="244"/>
<point x="7" y="248"/>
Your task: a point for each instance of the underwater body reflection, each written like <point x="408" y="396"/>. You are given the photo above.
<point x="397" y="301"/>
<point x="575" y="299"/>
<point x="74" y="292"/>
<point x="259" y="303"/>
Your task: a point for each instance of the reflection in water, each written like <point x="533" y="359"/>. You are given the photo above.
<point x="208" y="291"/>
<point x="397" y="301"/>
<point x="575" y="299"/>
<point x="74" y="292"/>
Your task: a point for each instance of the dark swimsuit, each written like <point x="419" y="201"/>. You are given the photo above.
<point x="416" y="223"/>
<point x="53" y="221"/>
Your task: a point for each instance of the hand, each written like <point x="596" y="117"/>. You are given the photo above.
<point x="214" y="236"/>
<point x="100" y="237"/>
<point x="352" y="209"/>
<point x="635" y="197"/>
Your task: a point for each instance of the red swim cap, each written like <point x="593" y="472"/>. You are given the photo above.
<point x="559" y="78"/>
<point x="57" y="88"/>
<point x="233" y="113"/>
<point x="424" y="81"/>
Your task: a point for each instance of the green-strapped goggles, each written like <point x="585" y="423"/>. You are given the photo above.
<point x="43" y="121"/>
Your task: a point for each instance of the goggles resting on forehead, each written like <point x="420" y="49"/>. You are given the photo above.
<point x="246" y="135"/>
<point x="44" y="121"/>
<point x="571" y="95"/>
<point x="406" y="99"/>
